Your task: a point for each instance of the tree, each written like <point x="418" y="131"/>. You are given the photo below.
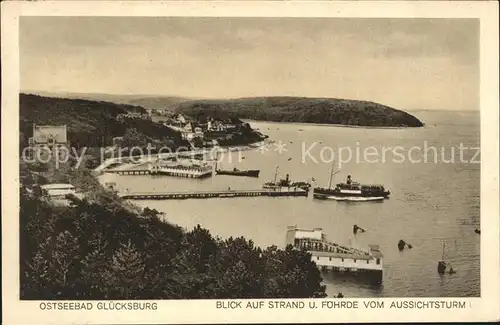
<point x="197" y="142"/>
<point x="65" y="254"/>
<point x="93" y="280"/>
<point x="124" y="275"/>
<point x="40" y="167"/>
<point x="290" y="273"/>
<point x="99" y="249"/>
<point x="36" y="276"/>
<point x="132" y="138"/>
<point x="238" y="269"/>
<point x="201" y="247"/>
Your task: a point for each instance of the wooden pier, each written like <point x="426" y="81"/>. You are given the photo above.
<point x="338" y="258"/>
<point x="130" y="172"/>
<point x="293" y="192"/>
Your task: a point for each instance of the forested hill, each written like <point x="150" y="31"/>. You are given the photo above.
<point x="90" y="123"/>
<point x="302" y="109"/>
<point x="97" y="249"/>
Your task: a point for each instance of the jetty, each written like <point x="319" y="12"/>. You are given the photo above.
<point x="338" y="258"/>
<point x="292" y="192"/>
<point x="129" y="171"/>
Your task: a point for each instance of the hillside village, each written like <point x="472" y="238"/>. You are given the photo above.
<point x="202" y="130"/>
<point x="103" y="124"/>
<point x="211" y="130"/>
<point x="80" y="240"/>
<point x="47" y="124"/>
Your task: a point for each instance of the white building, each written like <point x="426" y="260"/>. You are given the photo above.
<point x="181" y="118"/>
<point x="188" y="128"/>
<point x="339" y="258"/>
<point x="58" y="191"/>
<point x="50" y="136"/>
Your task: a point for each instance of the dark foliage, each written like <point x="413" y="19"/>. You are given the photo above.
<point x="90" y="123"/>
<point x="100" y="250"/>
<point x="243" y="136"/>
<point x="300" y="109"/>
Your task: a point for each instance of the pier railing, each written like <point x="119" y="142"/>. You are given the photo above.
<point x="182" y="169"/>
<point x="326" y="246"/>
<point x="212" y="194"/>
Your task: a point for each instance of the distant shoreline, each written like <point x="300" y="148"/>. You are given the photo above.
<point x="337" y="125"/>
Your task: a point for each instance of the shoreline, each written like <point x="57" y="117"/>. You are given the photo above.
<point x="143" y="158"/>
<point x="141" y="217"/>
<point x="338" y="125"/>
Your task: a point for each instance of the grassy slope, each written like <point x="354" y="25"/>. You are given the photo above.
<point x="301" y="109"/>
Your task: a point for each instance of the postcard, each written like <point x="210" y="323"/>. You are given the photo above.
<point x="250" y="161"/>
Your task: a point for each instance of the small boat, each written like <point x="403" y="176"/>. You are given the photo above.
<point x="442" y="265"/>
<point x="237" y="172"/>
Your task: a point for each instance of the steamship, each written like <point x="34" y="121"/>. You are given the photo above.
<point x="352" y="191"/>
<point x="237" y="172"/>
<point x="286" y="182"/>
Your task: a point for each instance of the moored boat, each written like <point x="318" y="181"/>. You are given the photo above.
<point x="237" y="172"/>
<point x="286" y="182"/>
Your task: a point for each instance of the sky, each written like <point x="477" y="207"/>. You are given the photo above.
<point x="404" y="63"/>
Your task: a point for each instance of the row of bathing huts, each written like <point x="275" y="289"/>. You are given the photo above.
<point x="187" y="170"/>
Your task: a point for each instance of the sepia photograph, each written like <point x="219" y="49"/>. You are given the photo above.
<point x="227" y="158"/>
